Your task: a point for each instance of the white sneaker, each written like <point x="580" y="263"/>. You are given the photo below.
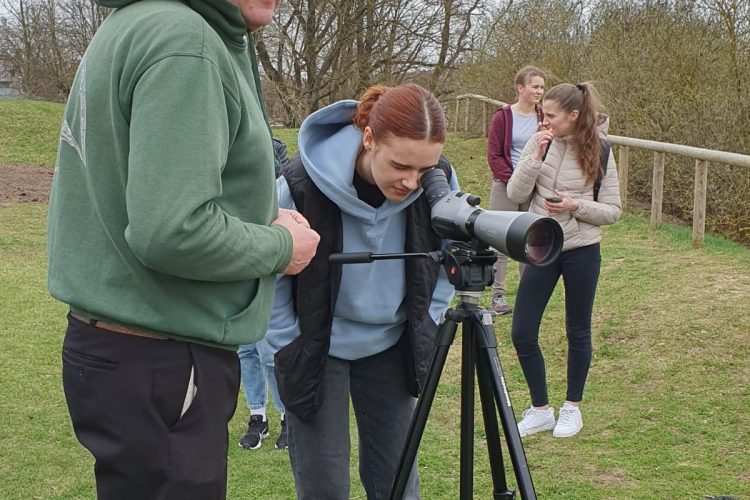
<point x="569" y="422"/>
<point x="533" y="421"/>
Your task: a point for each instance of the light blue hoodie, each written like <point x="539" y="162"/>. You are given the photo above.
<point x="370" y="313"/>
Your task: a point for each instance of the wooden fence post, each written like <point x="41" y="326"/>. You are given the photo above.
<point x="455" y="117"/>
<point x="622" y="170"/>
<point x="466" y="115"/>
<point x="484" y="119"/>
<point x="657" y="190"/>
<point x="699" y="202"/>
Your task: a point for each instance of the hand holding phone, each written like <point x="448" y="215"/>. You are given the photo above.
<point x="553" y="199"/>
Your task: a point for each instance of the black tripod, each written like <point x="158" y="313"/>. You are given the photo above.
<point x="470" y="270"/>
<point x="469" y="267"/>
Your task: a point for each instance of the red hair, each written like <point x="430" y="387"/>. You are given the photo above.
<point x="407" y="111"/>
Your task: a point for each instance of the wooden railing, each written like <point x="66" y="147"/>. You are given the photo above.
<point x="702" y="157"/>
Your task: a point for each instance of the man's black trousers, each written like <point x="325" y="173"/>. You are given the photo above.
<point x="127" y="400"/>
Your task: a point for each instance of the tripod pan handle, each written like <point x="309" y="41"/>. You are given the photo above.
<point x="350" y="258"/>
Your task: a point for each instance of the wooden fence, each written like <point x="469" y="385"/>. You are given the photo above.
<point x="463" y="104"/>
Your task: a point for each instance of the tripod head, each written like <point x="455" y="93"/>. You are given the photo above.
<point x="468" y="264"/>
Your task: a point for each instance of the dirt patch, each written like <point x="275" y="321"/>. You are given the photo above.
<point x="24" y="184"/>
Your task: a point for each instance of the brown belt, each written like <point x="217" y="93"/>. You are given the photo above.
<point x="113" y="327"/>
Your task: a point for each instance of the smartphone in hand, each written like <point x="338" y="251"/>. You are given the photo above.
<point x="553" y="199"/>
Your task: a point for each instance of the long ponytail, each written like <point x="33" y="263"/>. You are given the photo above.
<point x="586" y="141"/>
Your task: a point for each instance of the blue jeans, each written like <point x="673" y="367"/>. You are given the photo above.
<point x="257" y="378"/>
<point x="319" y="448"/>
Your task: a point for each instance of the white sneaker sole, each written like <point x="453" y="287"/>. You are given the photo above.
<point x="567" y="434"/>
<point x="534" y="430"/>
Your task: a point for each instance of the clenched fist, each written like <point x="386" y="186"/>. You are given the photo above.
<point x="304" y="240"/>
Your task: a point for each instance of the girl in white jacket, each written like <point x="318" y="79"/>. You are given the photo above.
<point x="562" y="174"/>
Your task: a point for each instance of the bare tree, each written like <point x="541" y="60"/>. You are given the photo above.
<point x="322" y="50"/>
<point x="455" y="37"/>
<point x="43" y="41"/>
<point x="734" y="18"/>
<point x="81" y="19"/>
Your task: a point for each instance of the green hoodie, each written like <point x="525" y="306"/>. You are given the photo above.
<point x="164" y="192"/>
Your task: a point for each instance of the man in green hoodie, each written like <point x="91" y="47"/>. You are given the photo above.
<point x="164" y="239"/>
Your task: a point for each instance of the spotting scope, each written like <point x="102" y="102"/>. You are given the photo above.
<point x="522" y="236"/>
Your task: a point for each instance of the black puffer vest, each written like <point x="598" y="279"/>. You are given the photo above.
<point x="299" y="365"/>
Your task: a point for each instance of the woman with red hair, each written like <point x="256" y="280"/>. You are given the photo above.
<point x="365" y="332"/>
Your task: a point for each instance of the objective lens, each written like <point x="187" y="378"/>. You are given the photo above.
<point x="541" y="241"/>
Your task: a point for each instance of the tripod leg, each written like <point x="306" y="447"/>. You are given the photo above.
<point x="493" y="371"/>
<point x="468" y="361"/>
<point x="445" y="335"/>
<point x="492" y="432"/>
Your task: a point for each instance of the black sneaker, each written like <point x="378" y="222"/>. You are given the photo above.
<point x="257" y="429"/>
<point x="283" y="442"/>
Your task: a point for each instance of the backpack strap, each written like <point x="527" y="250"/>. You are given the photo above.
<point x="546" y="150"/>
<point x="605" y="160"/>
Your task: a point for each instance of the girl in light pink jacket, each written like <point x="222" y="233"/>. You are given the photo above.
<point x="564" y="174"/>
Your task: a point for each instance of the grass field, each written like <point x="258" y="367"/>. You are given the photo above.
<point x="29" y="131"/>
<point x="666" y="406"/>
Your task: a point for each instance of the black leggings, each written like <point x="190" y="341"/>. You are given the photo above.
<point x="580" y="271"/>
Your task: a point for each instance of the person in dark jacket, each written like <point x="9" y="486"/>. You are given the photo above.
<point x="363" y="331"/>
<point x="511" y="127"/>
<point x="258" y="378"/>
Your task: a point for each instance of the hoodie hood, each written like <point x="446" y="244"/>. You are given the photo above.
<point x="329" y="145"/>
<point x="223" y="15"/>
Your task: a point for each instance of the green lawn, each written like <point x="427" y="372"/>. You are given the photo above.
<point x="29" y="131"/>
<point x="666" y="408"/>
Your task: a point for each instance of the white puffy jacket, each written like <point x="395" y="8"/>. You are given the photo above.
<point x="533" y="180"/>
